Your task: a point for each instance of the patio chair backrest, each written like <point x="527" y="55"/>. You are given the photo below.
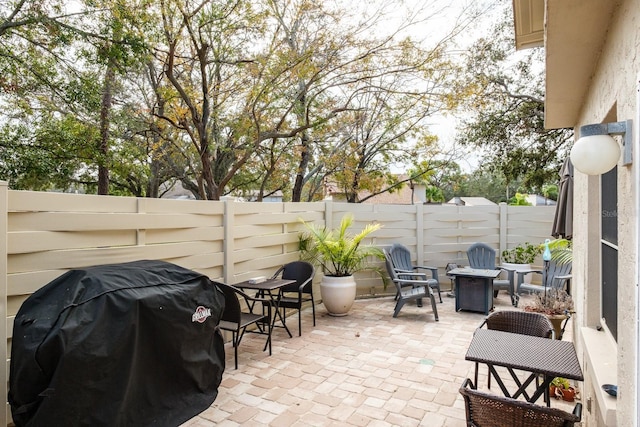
<point x="400" y="257"/>
<point x="520" y="322"/>
<point x="391" y="270"/>
<point x="484" y="409"/>
<point x="232" y="311"/>
<point x="300" y="271"/>
<point x="555" y="270"/>
<point x="481" y="255"/>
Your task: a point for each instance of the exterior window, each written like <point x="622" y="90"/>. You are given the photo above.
<point x="609" y="250"/>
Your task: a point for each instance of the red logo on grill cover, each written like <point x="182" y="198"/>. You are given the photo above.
<point x="201" y="314"/>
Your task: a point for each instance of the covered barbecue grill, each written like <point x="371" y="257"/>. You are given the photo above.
<point x="133" y="344"/>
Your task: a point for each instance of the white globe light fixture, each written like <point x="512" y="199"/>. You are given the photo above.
<point x="596" y="152"/>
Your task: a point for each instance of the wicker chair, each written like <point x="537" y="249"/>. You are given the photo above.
<point x="518" y="322"/>
<point x="488" y="410"/>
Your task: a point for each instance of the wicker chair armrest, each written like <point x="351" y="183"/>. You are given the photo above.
<point x="468" y="382"/>
<point x="577" y="411"/>
<point x="251" y="301"/>
<point x="304" y="284"/>
<point x="300" y="288"/>
<point x="484" y="322"/>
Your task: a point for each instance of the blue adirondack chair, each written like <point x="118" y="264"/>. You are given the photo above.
<point x="401" y="260"/>
<point x="483" y="256"/>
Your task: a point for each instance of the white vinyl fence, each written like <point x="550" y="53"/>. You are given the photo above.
<point x="47" y="234"/>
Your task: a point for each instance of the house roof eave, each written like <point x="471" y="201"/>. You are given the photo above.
<point x="574" y="34"/>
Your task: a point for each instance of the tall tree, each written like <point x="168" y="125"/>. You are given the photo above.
<point x="50" y="56"/>
<point x="378" y="136"/>
<point x="384" y="83"/>
<point x="267" y="95"/>
<point x="119" y="45"/>
<point x="502" y="99"/>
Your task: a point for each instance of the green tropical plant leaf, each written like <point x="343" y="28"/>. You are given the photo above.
<point x="337" y="251"/>
<point x="561" y="251"/>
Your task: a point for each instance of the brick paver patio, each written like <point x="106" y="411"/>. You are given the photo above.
<point x="364" y="369"/>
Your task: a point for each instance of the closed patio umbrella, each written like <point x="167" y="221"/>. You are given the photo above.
<point x="563" y="219"/>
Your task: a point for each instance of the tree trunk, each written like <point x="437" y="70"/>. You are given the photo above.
<point x="153" y="186"/>
<point x="305" y="157"/>
<point x="210" y="188"/>
<point x="105" y="112"/>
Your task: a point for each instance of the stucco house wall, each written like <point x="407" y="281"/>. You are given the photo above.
<point x="612" y="96"/>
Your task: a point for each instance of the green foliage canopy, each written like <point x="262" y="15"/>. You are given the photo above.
<point x="503" y="100"/>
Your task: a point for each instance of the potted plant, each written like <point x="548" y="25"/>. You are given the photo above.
<point x="561" y="388"/>
<point x="520" y="257"/>
<point x="340" y="255"/>
<point x="556" y="304"/>
<point x="524" y="253"/>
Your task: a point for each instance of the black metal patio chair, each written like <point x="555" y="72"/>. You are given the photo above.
<point x="235" y="320"/>
<point x="294" y="295"/>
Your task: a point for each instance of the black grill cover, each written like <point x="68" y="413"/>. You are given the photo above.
<point x="132" y="344"/>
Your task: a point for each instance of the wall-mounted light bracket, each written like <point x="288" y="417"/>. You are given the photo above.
<point x="624" y="128"/>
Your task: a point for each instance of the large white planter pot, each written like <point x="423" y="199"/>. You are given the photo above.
<point x="338" y="294"/>
<point x="519" y="267"/>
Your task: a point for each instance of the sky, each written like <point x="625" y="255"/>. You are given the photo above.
<point x="434" y="20"/>
<point x="441" y="16"/>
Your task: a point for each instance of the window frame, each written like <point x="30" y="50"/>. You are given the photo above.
<point x="609" y="259"/>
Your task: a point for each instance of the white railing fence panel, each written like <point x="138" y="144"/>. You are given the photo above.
<point x="47" y="234"/>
